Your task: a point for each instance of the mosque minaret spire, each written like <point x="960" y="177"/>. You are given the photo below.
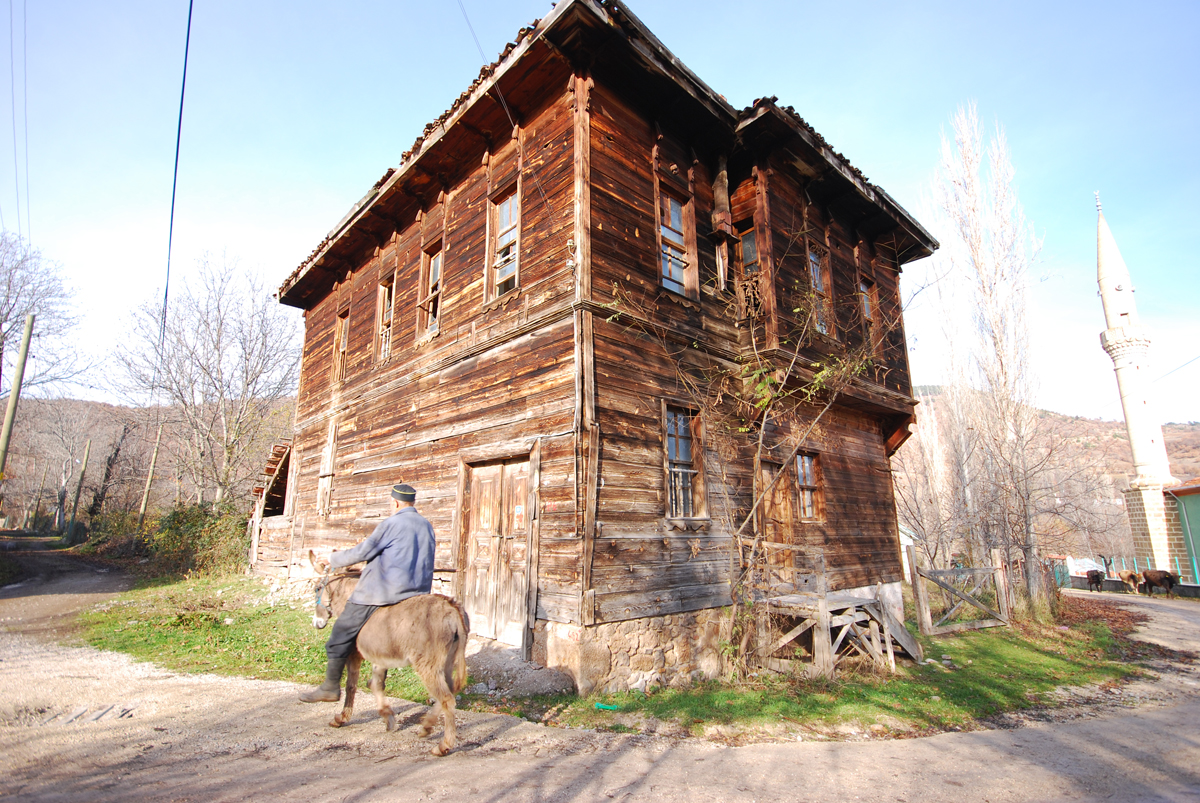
<point x="1128" y="344"/>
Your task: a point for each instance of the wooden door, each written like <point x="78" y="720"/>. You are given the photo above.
<point x="498" y="550"/>
<point x="779" y="526"/>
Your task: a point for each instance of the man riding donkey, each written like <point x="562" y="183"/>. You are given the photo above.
<point x="399" y="556"/>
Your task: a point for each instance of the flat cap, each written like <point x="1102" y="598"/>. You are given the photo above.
<point x="404" y="492"/>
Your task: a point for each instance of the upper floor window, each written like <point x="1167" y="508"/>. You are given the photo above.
<point x="341" y="343"/>
<point x="869" y="299"/>
<point x="808" y="481"/>
<point x="749" y="253"/>
<point x="429" y="306"/>
<point x="673" y="243"/>
<point x="684" y="476"/>
<point x="820" y="284"/>
<point x="505" y="227"/>
<point x="383" y="344"/>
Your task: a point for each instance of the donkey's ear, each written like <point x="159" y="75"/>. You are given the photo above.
<point x="320" y="564"/>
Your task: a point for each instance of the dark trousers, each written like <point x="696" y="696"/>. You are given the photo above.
<point x="345" y="631"/>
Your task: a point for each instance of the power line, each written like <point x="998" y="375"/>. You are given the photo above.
<point x="1176" y="368"/>
<point x="162" y="331"/>
<point x="12" y="83"/>
<point x="25" y="101"/>
<point x="504" y="105"/>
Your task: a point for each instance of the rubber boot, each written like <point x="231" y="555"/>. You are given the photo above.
<point x="331" y="690"/>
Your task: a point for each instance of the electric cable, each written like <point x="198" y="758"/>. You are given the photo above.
<point x="504" y="105"/>
<point x="162" y="330"/>
<point x="12" y="83"/>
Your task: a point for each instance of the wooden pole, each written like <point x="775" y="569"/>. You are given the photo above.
<point x="37" y="506"/>
<point x="1001" y="584"/>
<point x="920" y="598"/>
<point x="14" y="395"/>
<point x="149" y="478"/>
<point x="87" y="450"/>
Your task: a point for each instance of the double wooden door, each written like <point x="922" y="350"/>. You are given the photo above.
<point x="497" y="548"/>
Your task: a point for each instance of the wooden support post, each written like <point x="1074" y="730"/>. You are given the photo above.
<point x="924" y="620"/>
<point x="1001" y="584"/>
<point x="822" y="648"/>
<point x="876" y="646"/>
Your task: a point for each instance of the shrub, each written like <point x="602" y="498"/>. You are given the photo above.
<point x="197" y="539"/>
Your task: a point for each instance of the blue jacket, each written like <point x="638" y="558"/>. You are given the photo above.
<point x="399" y="556"/>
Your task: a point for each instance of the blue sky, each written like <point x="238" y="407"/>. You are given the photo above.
<point x="295" y="109"/>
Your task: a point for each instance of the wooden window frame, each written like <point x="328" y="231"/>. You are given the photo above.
<point x="494" y="287"/>
<point x="868" y="305"/>
<point x="751" y="231"/>
<point x="664" y="191"/>
<point x="429" y="305"/>
<point x="341" y="344"/>
<point x="689" y="472"/>
<point x="810" y="487"/>
<point x="820" y="282"/>
<point x="385" y="316"/>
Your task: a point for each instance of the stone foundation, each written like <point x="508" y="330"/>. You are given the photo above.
<point x="671" y="650"/>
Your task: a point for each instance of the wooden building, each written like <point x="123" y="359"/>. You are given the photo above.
<point x="503" y="321"/>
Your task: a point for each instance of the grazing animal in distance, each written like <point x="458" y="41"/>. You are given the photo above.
<point x="428" y="632"/>
<point x="1130" y="579"/>
<point x="1157" y="578"/>
<point x="1095" y="579"/>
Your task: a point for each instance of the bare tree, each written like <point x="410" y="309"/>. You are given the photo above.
<point x="992" y="470"/>
<point x="225" y="363"/>
<point x="29" y="283"/>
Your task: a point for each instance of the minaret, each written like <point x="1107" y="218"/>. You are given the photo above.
<point x="1128" y="344"/>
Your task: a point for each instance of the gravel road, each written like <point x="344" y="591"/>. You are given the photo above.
<point x="206" y="738"/>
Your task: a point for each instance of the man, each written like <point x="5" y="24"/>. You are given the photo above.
<point x="399" y="556"/>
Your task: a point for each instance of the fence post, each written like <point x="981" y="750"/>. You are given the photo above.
<point x="924" y="620"/>
<point x="1001" y="584"/>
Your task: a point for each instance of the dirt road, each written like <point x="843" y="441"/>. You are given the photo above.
<point x="208" y="738"/>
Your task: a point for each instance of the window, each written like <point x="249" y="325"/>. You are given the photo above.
<point x="341" y="341"/>
<point x="505" y="226"/>
<point x="429" y="307"/>
<point x="673" y="243"/>
<point x="818" y="274"/>
<point x="870" y="311"/>
<point x="808" y="482"/>
<point x="383" y="345"/>
<point x="685" y="485"/>
<point x="749" y="250"/>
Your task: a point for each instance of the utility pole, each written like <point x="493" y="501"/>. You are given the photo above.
<point x="11" y="414"/>
<point x="149" y="478"/>
<point x="87" y="450"/>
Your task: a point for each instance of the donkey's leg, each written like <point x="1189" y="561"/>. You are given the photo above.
<point x="434" y="679"/>
<point x="353" y="664"/>
<point x="379" y="685"/>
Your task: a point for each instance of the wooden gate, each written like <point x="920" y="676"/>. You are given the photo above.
<point x="964" y="586"/>
<point x="497" y="542"/>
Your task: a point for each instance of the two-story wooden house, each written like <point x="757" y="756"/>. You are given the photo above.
<point x="514" y="321"/>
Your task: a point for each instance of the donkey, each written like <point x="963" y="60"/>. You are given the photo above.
<point x="428" y="631"/>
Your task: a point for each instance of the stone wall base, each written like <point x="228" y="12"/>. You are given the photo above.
<point x="671" y="650"/>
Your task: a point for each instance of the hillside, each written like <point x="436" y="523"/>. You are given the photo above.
<point x="1182" y="439"/>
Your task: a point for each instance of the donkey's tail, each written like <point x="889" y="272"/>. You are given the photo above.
<point x="460" y="650"/>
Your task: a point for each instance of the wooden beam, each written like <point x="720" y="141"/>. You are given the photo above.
<point x="582" y="256"/>
<point x="963" y="596"/>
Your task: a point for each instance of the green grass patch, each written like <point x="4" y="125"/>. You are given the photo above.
<point x="223" y="626"/>
<point x="228" y="626"/>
